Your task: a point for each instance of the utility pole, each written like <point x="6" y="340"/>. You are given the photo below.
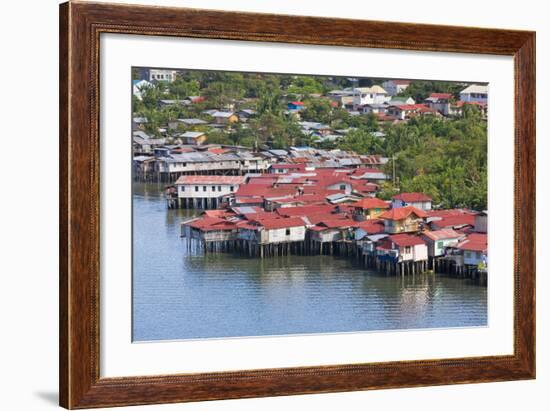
<point x="393" y="170"/>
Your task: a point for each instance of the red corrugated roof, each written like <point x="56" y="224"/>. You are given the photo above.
<point x="289" y="166"/>
<point x="474" y="242"/>
<point x="210" y="180"/>
<point x="406" y="240"/>
<point x="371" y="226"/>
<point x="211" y="224"/>
<point x="448" y="212"/>
<point x="262" y="181"/>
<point x="311" y="198"/>
<point x="273" y="224"/>
<point x="456" y="220"/>
<point x="412" y="197"/>
<point x="261" y="190"/>
<point x="367" y="203"/>
<point x="248" y="200"/>
<point x="402" y="213"/>
<point x="337" y="223"/>
<point x="305" y="211"/>
<point x="318" y="217"/>
<point x="262" y="215"/>
<point x="218" y="150"/>
<point x="218" y="213"/>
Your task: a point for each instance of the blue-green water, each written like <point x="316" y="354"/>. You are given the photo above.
<point x="181" y="295"/>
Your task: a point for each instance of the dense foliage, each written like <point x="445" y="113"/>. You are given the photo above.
<point x="444" y="159"/>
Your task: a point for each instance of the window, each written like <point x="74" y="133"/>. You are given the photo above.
<point x="182" y="188"/>
<point x="231" y="188"/>
<point x="287" y="231"/>
<point x="219" y="188"/>
<point x="213" y="188"/>
<point x="407" y="250"/>
<point x="196" y="188"/>
<point x="203" y="188"/>
<point x="342" y="186"/>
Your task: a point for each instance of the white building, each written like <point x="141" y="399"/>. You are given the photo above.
<point x="403" y="248"/>
<point x="273" y="231"/>
<point x="394" y="87"/>
<point x="474" y="94"/>
<point x="438" y="240"/>
<point x="205" y="191"/>
<point x="369" y="95"/>
<point x="162" y="75"/>
<point x="418" y="200"/>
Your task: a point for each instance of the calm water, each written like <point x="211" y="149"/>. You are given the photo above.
<point x="177" y="295"/>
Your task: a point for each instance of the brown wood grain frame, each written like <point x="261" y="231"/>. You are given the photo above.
<point x="80" y="27"/>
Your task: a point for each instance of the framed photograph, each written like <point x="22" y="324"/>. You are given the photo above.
<point x="257" y="205"/>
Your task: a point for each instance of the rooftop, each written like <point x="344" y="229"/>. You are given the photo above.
<point x="210" y="180"/>
<point x="401" y="213"/>
<point x="368" y="203"/>
<point x="443" y="234"/>
<point x="406" y="240"/>
<point x="475" y="88"/>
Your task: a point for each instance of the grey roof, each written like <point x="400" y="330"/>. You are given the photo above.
<point x="140" y="159"/>
<point x="141" y="134"/>
<point x="313" y="125"/>
<point x="278" y="152"/>
<point x="140" y="119"/>
<point x="376" y="237"/>
<point x="192" y="121"/>
<point x="244" y="210"/>
<point x="172" y="102"/>
<point x="330" y="137"/>
<point x="200" y="157"/>
<point x="377" y="105"/>
<point x="223" y="114"/>
<point x="475" y="88"/>
<point x="150" y="141"/>
<point x="337" y="196"/>
<point x="248" y="111"/>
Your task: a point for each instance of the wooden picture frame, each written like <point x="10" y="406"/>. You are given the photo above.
<point x="80" y="27"/>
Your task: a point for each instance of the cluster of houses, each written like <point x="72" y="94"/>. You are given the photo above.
<point x="266" y="202"/>
<point x="384" y="102"/>
<point x="331" y="211"/>
<point x="154" y="160"/>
